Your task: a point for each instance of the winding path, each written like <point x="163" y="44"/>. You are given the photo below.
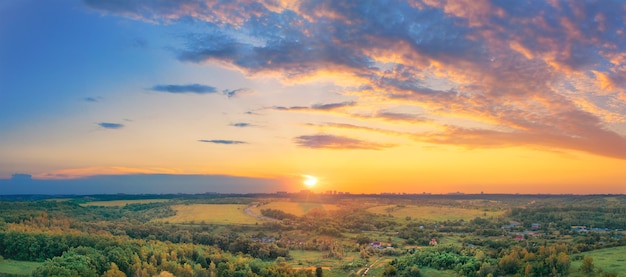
<point x="249" y="212"/>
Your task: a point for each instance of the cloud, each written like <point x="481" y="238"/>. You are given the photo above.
<point x="237" y="92"/>
<point x="241" y="124"/>
<point x="317" y="107"/>
<point x="348" y="126"/>
<point x="332" y="106"/>
<point x="222" y="141"/>
<point x="21" y="177"/>
<point x="109" y="125"/>
<point x="473" y="138"/>
<point x="392" y="116"/>
<point x="180" y="89"/>
<point x="337" y="142"/>
<point x="92" y="99"/>
<point x="501" y="63"/>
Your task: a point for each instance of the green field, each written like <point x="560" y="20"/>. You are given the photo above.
<point x="609" y="259"/>
<point x="18" y="267"/>
<point x="435" y="213"/>
<point x="295" y="208"/>
<point x="211" y="214"/>
<point x="305" y="259"/>
<point x="121" y="203"/>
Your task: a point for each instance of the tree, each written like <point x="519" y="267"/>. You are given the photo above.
<point x="587" y="267"/>
<point x="563" y="263"/>
<point x="114" y="272"/>
<point x="414" y="271"/>
<point x="70" y="264"/>
<point x="319" y="272"/>
<point x="390" y="270"/>
<point x="509" y="264"/>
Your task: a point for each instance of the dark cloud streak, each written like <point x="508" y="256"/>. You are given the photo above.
<point x="317" y="107"/>
<point x="181" y="89"/>
<point x="109" y="125"/>
<point x="222" y="141"/>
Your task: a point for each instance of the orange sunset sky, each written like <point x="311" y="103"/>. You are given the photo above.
<point x="364" y="96"/>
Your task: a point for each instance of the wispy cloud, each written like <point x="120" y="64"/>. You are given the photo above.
<point x="181" y="89"/>
<point x="337" y="142"/>
<point x="230" y="93"/>
<point x="393" y="116"/>
<point x="361" y="128"/>
<point x="241" y="124"/>
<point x="109" y="125"/>
<point x="92" y="99"/>
<point x="222" y="141"/>
<point x="317" y="107"/>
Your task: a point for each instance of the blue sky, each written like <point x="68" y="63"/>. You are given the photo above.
<point x="427" y="95"/>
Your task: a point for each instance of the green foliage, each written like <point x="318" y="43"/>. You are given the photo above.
<point x="69" y="264"/>
<point x="587" y="268"/>
<point x="65" y="234"/>
<point x="390" y="270"/>
<point x="278" y="214"/>
<point x="114" y="272"/>
<point x="594" y="211"/>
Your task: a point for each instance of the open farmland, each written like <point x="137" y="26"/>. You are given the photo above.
<point x="435" y="213"/>
<point x="211" y="213"/>
<point x="121" y="203"/>
<point x="295" y="208"/>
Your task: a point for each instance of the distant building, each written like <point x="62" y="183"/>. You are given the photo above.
<point x="535" y="226"/>
<point x="281" y="193"/>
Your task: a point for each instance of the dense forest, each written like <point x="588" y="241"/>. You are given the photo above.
<point x="510" y="236"/>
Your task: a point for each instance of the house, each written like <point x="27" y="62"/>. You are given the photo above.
<point x="535" y="226"/>
<point x="433" y="242"/>
<point x="377" y="245"/>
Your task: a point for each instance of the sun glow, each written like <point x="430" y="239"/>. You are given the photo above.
<point x="309" y="181"/>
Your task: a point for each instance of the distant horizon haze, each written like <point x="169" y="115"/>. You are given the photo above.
<point x="22" y="183"/>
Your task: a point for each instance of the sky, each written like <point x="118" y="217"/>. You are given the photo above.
<point x="363" y="96"/>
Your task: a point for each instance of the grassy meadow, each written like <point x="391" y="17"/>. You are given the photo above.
<point x="295" y="208"/>
<point x="211" y="214"/>
<point x="17" y="267"/>
<point x="609" y="259"/>
<point x="122" y="203"/>
<point x="434" y="213"/>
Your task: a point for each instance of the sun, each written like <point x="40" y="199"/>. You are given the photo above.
<point x="309" y="181"/>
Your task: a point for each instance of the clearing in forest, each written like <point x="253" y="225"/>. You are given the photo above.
<point x="295" y="208"/>
<point x="211" y="214"/>
<point x="121" y="203"/>
<point x="18" y="267"/>
<point x="436" y="213"/>
<point x="609" y="259"/>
